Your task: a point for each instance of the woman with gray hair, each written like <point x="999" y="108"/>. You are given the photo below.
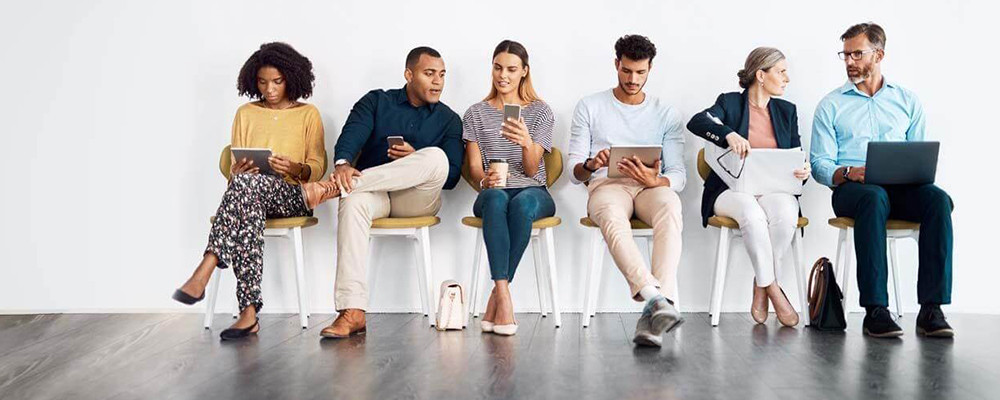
<point x="743" y="121"/>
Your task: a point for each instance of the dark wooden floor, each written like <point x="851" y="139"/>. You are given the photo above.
<point x="169" y="356"/>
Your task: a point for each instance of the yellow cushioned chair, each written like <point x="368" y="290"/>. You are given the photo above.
<point x="894" y="229"/>
<point x="541" y="238"/>
<point x="285" y="228"/>
<point x="729" y="230"/>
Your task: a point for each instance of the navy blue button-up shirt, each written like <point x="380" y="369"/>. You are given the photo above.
<point x="383" y="113"/>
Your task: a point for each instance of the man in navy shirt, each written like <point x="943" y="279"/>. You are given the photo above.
<point x="375" y="179"/>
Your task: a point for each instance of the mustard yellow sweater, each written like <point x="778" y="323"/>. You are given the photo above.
<point x="296" y="133"/>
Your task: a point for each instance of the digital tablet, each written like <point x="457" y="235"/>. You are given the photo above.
<point x="259" y="157"/>
<point x="647" y="154"/>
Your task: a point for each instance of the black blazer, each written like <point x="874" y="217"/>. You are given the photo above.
<point x="732" y="110"/>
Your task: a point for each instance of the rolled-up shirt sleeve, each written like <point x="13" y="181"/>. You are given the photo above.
<point x="579" y="140"/>
<point x="672" y="166"/>
<point x="823" y="149"/>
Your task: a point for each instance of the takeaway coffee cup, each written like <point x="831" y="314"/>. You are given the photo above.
<point x="500" y="166"/>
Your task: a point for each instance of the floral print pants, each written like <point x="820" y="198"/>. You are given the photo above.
<point x="237" y="236"/>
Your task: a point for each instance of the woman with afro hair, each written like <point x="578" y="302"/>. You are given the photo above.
<point x="275" y="78"/>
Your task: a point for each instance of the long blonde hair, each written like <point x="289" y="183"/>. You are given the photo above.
<point x="525" y="89"/>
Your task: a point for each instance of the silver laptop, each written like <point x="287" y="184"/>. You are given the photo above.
<point x="901" y="163"/>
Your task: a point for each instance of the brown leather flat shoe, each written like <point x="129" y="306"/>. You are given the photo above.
<point x="315" y="193"/>
<point x="350" y="322"/>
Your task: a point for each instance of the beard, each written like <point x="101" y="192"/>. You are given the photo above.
<point x="624" y="87"/>
<point x="863" y="75"/>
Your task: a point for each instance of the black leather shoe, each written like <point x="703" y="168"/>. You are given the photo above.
<point x="185" y="298"/>
<point x="240" y="333"/>
<point x="878" y="323"/>
<point x="932" y="323"/>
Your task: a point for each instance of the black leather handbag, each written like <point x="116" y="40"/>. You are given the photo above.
<point x="826" y="309"/>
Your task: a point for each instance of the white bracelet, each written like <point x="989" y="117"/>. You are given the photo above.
<point x="481" y="182"/>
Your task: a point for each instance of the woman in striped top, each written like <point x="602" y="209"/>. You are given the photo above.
<point x="508" y="210"/>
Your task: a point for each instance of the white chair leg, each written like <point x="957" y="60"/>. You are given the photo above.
<point x="848" y="262"/>
<point x="894" y="265"/>
<point x="421" y="279"/>
<point x="719" y="280"/>
<point x="236" y="310"/>
<point x="431" y="287"/>
<point x="373" y="264"/>
<point x="539" y="274"/>
<point x="550" y="267"/>
<point x="838" y="257"/>
<point x="474" y="283"/>
<point x="484" y="282"/>
<point x="300" y="276"/>
<point x="593" y="275"/>
<point x="213" y="294"/>
<point x="800" y="278"/>
<point x="598" y="273"/>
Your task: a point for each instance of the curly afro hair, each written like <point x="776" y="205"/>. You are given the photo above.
<point x="296" y="68"/>
<point x="635" y="47"/>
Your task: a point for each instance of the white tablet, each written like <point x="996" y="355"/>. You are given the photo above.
<point x="647" y="154"/>
<point x="259" y="157"/>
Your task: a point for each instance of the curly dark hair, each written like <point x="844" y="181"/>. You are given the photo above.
<point x="296" y="68"/>
<point x="635" y="47"/>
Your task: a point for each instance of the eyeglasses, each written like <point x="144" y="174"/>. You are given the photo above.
<point x="743" y="163"/>
<point x="855" y="55"/>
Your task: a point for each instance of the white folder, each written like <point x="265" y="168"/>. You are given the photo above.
<point x="772" y="171"/>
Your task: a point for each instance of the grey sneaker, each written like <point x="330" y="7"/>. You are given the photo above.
<point x="665" y="316"/>
<point x="644" y="335"/>
<point x="658" y="317"/>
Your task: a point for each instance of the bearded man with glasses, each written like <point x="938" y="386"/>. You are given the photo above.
<point x="871" y="108"/>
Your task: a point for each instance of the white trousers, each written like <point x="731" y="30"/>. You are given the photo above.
<point x="767" y="223"/>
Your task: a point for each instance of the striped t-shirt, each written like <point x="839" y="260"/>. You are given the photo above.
<point x="482" y="123"/>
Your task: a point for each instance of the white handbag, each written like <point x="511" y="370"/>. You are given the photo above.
<point x="451" y="307"/>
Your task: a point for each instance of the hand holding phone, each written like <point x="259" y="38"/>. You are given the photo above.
<point x="398" y="148"/>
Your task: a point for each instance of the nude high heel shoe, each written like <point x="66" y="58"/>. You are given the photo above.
<point x="790" y="318"/>
<point x="759" y="305"/>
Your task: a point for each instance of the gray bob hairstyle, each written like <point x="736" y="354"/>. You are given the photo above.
<point x="760" y="59"/>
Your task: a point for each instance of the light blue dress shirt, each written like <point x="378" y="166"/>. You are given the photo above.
<point x="847" y="119"/>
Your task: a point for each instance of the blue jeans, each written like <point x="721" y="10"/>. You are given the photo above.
<point x="507" y="216"/>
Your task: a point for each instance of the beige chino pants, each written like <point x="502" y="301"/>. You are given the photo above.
<point x="407" y="187"/>
<point x="613" y="201"/>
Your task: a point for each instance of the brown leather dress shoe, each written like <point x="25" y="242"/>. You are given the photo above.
<point x="315" y="193"/>
<point x="350" y="322"/>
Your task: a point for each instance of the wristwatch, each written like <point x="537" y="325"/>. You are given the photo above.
<point x="585" y="165"/>
<point x="339" y="162"/>
<point x="847" y="172"/>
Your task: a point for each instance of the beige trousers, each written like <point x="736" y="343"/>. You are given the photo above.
<point x="407" y="187"/>
<point x="613" y="201"/>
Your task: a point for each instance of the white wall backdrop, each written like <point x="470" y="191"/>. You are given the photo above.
<point x="114" y="114"/>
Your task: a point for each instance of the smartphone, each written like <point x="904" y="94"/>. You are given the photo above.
<point x="511" y="111"/>
<point x="395" y="141"/>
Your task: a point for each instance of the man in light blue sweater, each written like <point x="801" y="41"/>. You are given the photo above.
<point x="627" y="116"/>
